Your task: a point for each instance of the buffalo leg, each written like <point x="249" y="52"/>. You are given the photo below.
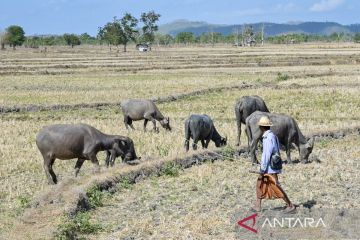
<point x="78" y="165"/>
<point x="112" y="158"/>
<point x="253" y="145"/>
<point x="145" y="123"/>
<point x="95" y="162"/>
<point x="186" y="144"/>
<point x="107" y="159"/>
<point x="207" y="143"/>
<point x="238" y="133"/>
<point x="288" y="150"/>
<point x="128" y="122"/>
<point x="202" y="143"/>
<point x="48" y="164"/>
<point x="238" y="114"/>
<point x="248" y="139"/>
<point x="150" y="117"/>
<point x="194" y="145"/>
<point x="154" y="123"/>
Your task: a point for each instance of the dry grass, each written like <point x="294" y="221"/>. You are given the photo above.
<point x="323" y="97"/>
<point x="200" y="203"/>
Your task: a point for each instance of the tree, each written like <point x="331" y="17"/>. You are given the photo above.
<point x="120" y="31"/>
<point x="128" y="25"/>
<point x="163" y="39"/>
<point x="49" y="41"/>
<point x="185" y="37"/>
<point x="86" y="38"/>
<point x="2" y="39"/>
<point x="249" y="35"/>
<point x="15" y="36"/>
<point x="149" y="20"/>
<point x="111" y="33"/>
<point x="71" y="39"/>
<point x="357" y="38"/>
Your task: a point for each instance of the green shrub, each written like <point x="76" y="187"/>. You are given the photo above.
<point x="125" y="183"/>
<point x="81" y="224"/>
<point x="163" y="151"/>
<point x="24" y="201"/>
<point x="282" y="77"/>
<point x="95" y="196"/>
<point x="170" y="169"/>
<point x="228" y="152"/>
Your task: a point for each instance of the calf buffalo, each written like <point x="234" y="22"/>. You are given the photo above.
<point x="285" y="128"/>
<point x="138" y="109"/>
<point x="201" y="127"/>
<point x="81" y="141"/>
<point x="244" y="107"/>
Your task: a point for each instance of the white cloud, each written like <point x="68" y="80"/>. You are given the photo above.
<point x="326" y="5"/>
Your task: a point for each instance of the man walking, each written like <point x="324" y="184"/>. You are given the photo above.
<point x="267" y="185"/>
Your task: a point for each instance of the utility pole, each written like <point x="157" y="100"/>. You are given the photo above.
<point x="242" y="34"/>
<point x="262" y="34"/>
<point x="212" y="37"/>
<point x="237" y="36"/>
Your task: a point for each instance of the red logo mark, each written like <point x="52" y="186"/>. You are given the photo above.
<point x="253" y="217"/>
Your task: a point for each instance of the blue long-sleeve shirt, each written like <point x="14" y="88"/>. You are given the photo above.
<point x="270" y="146"/>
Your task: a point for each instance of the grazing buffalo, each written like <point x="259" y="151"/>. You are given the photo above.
<point x="244" y="107"/>
<point x="285" y="128"/>
<point x="81" y="141"/>
<point x="201" y="127"/>
<point x="138" y="109"/>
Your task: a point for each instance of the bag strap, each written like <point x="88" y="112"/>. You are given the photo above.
<point x="278" y="144"/>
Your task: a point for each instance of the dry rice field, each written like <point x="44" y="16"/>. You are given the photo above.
<point x="317" y="84"/>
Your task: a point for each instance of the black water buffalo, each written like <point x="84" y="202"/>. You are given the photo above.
<point x="285" y="128"/>
<point x="81" y="141"/>
<point x="201" y="127"/>
<point x="138" y="109"/>
<point x="244" y="107"/>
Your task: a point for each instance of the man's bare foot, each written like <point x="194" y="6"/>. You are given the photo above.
<point x="290" y="209"/>
<point x="255" y="209"/>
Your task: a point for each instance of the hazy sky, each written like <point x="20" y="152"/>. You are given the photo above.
<point x="79" y="16"/>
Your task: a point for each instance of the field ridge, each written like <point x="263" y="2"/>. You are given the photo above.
<point x="163" y="99"/>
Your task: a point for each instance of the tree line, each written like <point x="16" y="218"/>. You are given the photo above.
<point x="125" y="30"/>
<point x="120" y="31"/>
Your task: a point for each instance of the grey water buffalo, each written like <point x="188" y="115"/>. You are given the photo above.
<point x="201" y="127"/>
<point x="244" y="107"/>
<point x="139" y="109"/>
<point x="81" y="141"/>
<point x="285" y="128"/>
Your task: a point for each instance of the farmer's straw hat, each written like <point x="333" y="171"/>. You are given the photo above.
<point x="265" y="122"/>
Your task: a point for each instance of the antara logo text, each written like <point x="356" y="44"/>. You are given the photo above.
<point x="285" y="222"/>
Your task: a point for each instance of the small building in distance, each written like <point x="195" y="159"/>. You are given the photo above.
<point x="143" y="47"/>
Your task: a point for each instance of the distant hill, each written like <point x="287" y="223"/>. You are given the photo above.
<point x="271" y="29"/>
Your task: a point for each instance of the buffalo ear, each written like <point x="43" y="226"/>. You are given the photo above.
<point x="121" y="142"/>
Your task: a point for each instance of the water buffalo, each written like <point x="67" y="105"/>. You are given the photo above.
<point x="138" y="109"/>
<point x="244" y="107"/>
<point x="81" y="141"/>
<point x="201" y="127"/>
<point x="285" y="128"/>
